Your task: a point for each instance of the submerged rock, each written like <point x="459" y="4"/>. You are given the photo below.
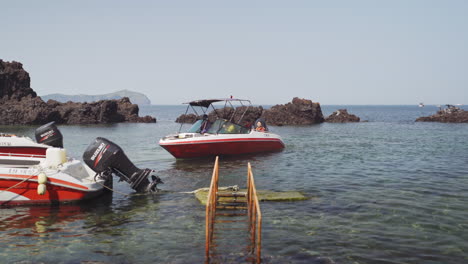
<point x="263" y="195"/>
<point x="19" y="104"/>
<point x="342" y="116"/>
<point x="451" y="114"/>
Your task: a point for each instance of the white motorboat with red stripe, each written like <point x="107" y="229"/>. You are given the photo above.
<point x="41" y="173"/>
<point x="66" y="181"/>
<point x="221" y="137"/>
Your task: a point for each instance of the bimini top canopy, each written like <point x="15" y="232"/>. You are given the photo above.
<point x="208" y="102"/>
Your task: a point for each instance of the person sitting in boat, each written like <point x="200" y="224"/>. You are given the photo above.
<point x="248" y="124"/>
<point x="206" y="124"/>
<point x="260" y="126"/>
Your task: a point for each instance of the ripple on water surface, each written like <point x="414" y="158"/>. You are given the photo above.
<point x="386" y="191"/>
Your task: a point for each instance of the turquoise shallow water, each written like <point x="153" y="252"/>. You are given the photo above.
<point x="385" y="191"/>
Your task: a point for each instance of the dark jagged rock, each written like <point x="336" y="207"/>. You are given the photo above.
<point x="342" y="116"/>
<point x="14" y="81"/>
<point x="19" y="104"/>
<point x="187" y="118"/>
<point x="451" y="114"/>
<point x="297" y="112"/>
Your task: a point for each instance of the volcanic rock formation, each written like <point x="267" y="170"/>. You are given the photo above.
<point x="451" y="114"/>
<point x="342" y="116"/>
<point x="188" y="118"/>
<point x="19" y="104"/>
<point x="297" y="112"/>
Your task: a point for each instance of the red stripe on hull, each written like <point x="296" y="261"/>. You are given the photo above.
<point x="54" y="194"/>
<point x="212" y="148"/>
<point x="24" y="150"/>
<point x="52" y="180"/>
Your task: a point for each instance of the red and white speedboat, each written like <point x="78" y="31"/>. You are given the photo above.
<point x="41" y="173"/>
<point x="221" y="137"/>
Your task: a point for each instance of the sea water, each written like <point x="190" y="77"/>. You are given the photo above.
<point x="389" y="190"/>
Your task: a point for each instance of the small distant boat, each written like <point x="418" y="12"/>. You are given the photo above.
<point x="421" y="104"/>
<point x="223" y="137"/>
<point x="41" y="173"/>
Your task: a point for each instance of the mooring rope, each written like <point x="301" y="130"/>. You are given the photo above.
<point x="11" y="187"/>
<point x="39" y="170"/>
<point x="112" y="190"/>
<point x="109" y="188"/>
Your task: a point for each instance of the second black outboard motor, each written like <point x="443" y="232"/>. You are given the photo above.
<point x="50" y="135"/>
<point x="105" y="157"/>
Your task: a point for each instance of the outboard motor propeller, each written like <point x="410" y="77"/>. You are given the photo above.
<point x="104" y="156"/>
<point x="50" y="135"/>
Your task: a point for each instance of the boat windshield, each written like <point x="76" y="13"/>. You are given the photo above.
<point x="195" y="127"/>
<point x="222" y="126"/>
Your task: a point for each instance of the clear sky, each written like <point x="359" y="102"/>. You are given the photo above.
<point x="332" y="52"/>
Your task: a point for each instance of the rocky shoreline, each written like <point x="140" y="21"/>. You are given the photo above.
<point x="20" y="105"/>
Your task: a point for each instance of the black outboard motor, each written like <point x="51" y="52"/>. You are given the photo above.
<point x="50" y="135"/>
<point x="105" y="157"/>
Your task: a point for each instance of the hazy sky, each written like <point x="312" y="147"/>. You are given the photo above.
<point x="332" y="52"/>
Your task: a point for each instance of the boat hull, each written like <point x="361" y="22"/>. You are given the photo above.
<point x="26" y="193"/>
<point x="20" y="186"/>
<point x="66" y="180"/>
<point x="226" y="146"/>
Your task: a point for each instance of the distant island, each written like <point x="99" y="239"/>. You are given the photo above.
<point x="135" y="97"/>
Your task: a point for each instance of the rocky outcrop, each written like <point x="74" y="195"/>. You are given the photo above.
<point x="450" y="114"/>
<point x="187" y="118"/>
<point x="14" y="81"/>
<point x="342" y="116"/>
<point x="297" y="112"/>
<point x="19" y="104"/>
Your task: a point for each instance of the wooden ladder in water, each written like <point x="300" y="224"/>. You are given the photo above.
<point x="233" y="223"/>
